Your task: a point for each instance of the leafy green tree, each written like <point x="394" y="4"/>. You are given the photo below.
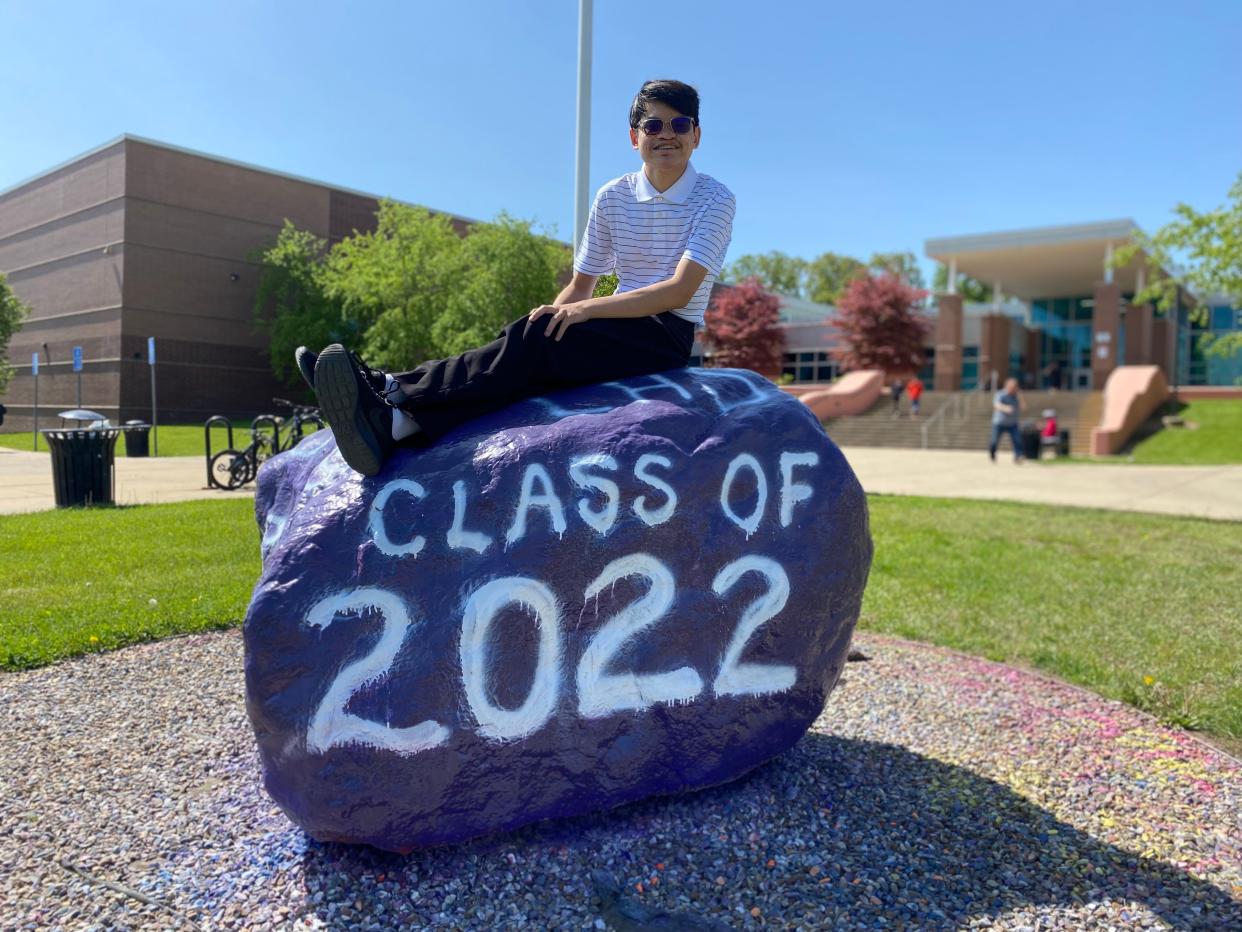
<point x="1207" y="248"/>
<point x="292" y="305"/>
<point x="828" y="274"/>
<point x="12" y="312"/>
<point x="905" y="265"/>
<point x="411" y="290"/>
<point x="775" y="271"/>
<point x="971" y="289"/>
<point x="395" y="282"/>
<point x="605" y="285"/>
<point x="505" y="269"/>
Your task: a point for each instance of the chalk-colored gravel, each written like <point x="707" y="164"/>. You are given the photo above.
<point x="936" y="792"/>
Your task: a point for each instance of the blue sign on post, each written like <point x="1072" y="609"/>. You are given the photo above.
<point x="77" y="359"/>
<point x="34" y="363"/>
<point x="150" y="351"/>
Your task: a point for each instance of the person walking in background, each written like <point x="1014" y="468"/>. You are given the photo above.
<point x="1052" y="376"/>
<point x="894" y="391"/>
<point x="1006" y="407"/>
<point x="914" y="388"/>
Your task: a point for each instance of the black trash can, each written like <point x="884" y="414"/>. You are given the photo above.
<point x="1030" y="442"/>
<point x="1063" y="447"/>
<point x="83" y="465"/>
<point x="137" y="438"/>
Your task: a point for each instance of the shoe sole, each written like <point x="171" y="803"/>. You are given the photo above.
<point x="336" y="386"/>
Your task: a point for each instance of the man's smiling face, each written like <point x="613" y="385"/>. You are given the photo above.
<point x="665" y="152"/>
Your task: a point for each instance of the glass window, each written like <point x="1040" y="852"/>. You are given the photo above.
<point x="970" y="352"/>
<point x="970" y="375"/>
<point x="806" y="357"/>
<point x="806" y="373"/>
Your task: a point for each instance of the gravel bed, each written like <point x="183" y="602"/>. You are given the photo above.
<point x="937" y="791"/>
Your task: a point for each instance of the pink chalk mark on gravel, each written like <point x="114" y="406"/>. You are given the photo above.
<point x="1109" y="726"/>
<point x="972" y="685"/>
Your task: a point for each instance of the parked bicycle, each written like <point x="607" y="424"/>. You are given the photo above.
<point x="232" y="468"/>
<point x="295" y="424"/>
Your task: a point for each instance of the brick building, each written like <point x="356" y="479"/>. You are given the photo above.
<point x="139" y="239"/>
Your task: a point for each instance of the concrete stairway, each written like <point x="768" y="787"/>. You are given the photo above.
<point x="967" y="426"/>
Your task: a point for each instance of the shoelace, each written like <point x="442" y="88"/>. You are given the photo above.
<point x="372" y="378"/>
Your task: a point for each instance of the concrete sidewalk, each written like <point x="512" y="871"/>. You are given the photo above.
<point x="1196" y="491"/>
<point x="1199" y="491"/>
<point x="26" y="481"/>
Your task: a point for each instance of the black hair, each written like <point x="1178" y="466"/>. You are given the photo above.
<point x="676" y="94"/>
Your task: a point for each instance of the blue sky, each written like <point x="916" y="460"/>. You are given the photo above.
<point x="845" y="127"/>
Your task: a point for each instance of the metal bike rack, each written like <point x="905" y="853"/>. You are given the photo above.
<point x="267" y="420"/>
<point x="215" y="420"/>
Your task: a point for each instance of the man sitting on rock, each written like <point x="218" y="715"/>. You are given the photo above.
<point x="664" y="230"/>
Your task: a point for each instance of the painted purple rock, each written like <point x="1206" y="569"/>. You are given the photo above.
<point x="627" y="589"/>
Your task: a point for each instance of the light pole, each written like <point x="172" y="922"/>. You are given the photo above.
<point x="582" y="190"/>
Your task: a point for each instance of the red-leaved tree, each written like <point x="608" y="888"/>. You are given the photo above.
<point x="879" y="325"/>
<point x="742" y="330"/>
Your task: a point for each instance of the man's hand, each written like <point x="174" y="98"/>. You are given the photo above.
<point x="563" y="317"/>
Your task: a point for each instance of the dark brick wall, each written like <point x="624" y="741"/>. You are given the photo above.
<point x="71" y="189"/>
<point x="1138" y="328"/>
<point x="1105" y="318"/>
<point x="350" y="213"/>
<point x="948" y="337"/>
<point x="60" y="248"/>
<point x="994" y="347"/>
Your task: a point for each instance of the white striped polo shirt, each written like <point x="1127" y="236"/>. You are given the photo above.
<point x="643" y="233"/>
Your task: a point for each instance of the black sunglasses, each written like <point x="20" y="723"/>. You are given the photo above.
<point x="681" y="125"/>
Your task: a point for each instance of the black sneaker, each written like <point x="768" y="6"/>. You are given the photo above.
<point x="305" y="360"/>
<point x="306" y="364"/>
<point x="360" y="418"/>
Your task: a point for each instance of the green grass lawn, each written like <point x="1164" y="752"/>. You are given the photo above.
<point x="1217" y="440"/>
<point x="174" y="439"/>
<point x="1141" y="608"/>
<point x="78" y="580"/>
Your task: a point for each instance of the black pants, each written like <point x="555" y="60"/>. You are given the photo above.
<point x="522" y="362"/>
<point x="1012" y="431"/>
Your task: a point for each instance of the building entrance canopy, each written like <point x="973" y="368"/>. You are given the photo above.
<point x="1046" y="262"/>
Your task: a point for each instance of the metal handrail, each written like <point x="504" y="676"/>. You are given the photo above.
<point x="938" y="418"/>
<point x="962" y="405"/>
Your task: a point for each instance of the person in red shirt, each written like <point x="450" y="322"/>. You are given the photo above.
<point x="1048" y="435"/>
<point x="914" y="388"/>
<point x="1050" y="423"/>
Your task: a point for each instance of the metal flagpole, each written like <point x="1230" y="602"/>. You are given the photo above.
<point x="582" y="181"/>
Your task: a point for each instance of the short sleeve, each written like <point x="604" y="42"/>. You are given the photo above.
<point x="596" y="255"/>
<point x="709" y="240"/>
